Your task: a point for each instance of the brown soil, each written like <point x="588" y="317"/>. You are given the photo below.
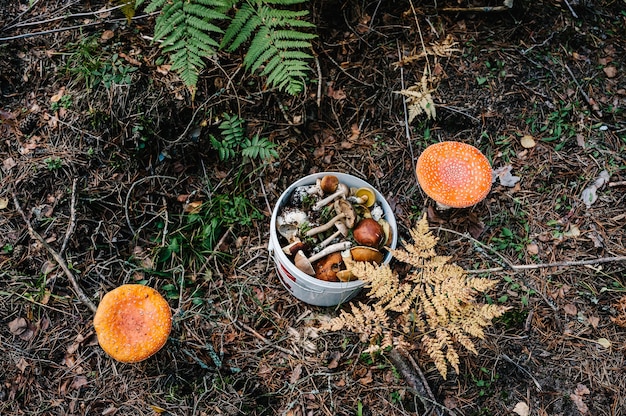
<point x="104" y="179"/>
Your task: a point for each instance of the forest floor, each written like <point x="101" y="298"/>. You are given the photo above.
<point x="107" y="155"/>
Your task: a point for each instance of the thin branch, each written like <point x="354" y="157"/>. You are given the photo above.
<point x="57" y="257"/>
<point x="64" y="17"/>
<point x="261" y="337"/>
<point x="415" y="380"/>
<point x="130" y="191"/>
<point x="580" y="89"/>
<point x="506" y="261"/>
<point x="72" y="225"/>
<point x="63" y="29"/>
<point x="522" y="267"/>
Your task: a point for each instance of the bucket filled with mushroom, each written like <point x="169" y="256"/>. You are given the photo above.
<point x="321" y="225"/>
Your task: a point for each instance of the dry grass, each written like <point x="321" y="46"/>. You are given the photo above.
<point x="241" y="344"/>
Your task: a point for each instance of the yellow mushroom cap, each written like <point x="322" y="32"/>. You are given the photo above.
<point x="454" y="174"/>
<point x="132" y="322"/>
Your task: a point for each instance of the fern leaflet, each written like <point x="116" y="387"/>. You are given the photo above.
<point x="186" y="29"/>
<point x="233" y="139"/>
<point x="277" y="42"/>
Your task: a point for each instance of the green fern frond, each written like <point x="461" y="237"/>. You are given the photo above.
<point x="240" y="28"/>
<point x="259" y="147"/>
<point x="277" y="42"/>
<point x="186" y="30"/>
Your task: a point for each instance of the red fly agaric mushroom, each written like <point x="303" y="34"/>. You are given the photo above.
<point x="132" y="322"/>
<point x="454" y="174"/>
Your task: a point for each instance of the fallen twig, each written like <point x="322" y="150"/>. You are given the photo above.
<point x="57" y="257"/>
<point x="416" y="380"/>
<point x="582" y="92"/>
<point x="506" y="5"/>
<point x="261" y="337"/>
<point x="72" y="223"/>
<point x="127" y="199"/>
<point x="523" y="267"/>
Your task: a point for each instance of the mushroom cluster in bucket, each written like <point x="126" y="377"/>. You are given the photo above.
<point x="327" y="226"/>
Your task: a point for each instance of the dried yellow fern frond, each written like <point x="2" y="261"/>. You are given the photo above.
<point x="444" y="48"/>
<point x="434" y="303"/>
<point x="419" y="100"/>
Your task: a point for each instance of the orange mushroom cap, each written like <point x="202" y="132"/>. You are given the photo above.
<point x="454" y="174"/>
<point x="132" y="323"/>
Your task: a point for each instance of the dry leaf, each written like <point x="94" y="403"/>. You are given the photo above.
<point x="295" y="374"/>
<point x="589" y="195"/>
<point x="57" y="97"/>
<point x="130" y="59"/>
<point x="21" y="328"/>
<point x="505" y="176"/>
<point x="22" y="364"/>
<point x="532" y="249"/>
<point x="604" y="342"/>
<point x="521" y="409"/>
<point x="354" y="133"/>
<point x="610" y="71"/>
<point x="367" y="379"/>
<point x="573" y="231"/>
<point x="577" y="398"/>
<point x="107" y="34"/>
<point x="334" y="360"/>
<point x="109" y="411"/>
<point x="336" y="94"/>
<point x="594" y="321"/>
<point x="4" y="202"/>
<point x="78" y="382"/>
<point x="9" y="163"/>
<point x="193" y="207"/>
<point x="528" y="141"/>
<point x="570" y="309"/>
<point x="163" y="69"/>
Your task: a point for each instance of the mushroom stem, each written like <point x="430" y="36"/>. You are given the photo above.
<point x="344" y="245"/>
<point x="329" y="239"/>
<point x="325" y="227"/>
<point x="342" y="192"/>
<point x="363" y="196"/>
<point x="305" y="264"/>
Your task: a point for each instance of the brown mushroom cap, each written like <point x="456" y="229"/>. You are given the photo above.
<point x="364" y="253"/>
<point x="329" y="184"/>
<point x="368" y="232"/>
<point x="132" y="322"/>
<point x="327" y="268"/>
<point x="454" y="174"/>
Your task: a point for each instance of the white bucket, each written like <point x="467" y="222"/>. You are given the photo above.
<point x="307" y="288"/>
